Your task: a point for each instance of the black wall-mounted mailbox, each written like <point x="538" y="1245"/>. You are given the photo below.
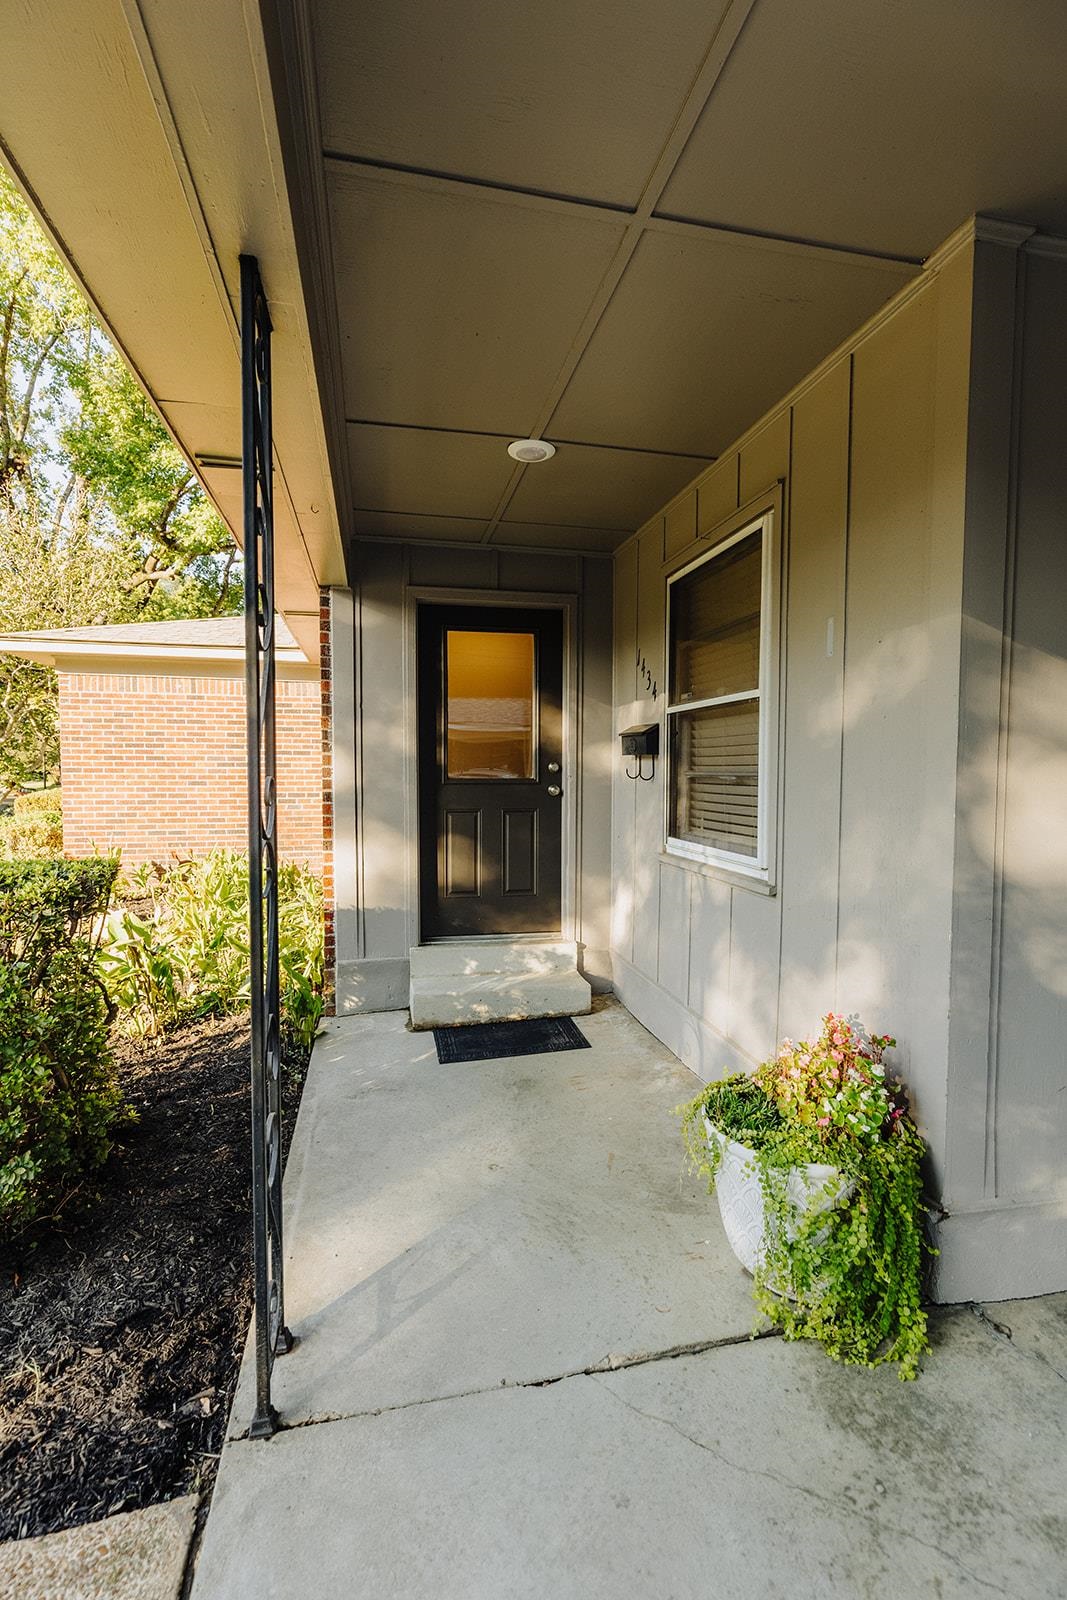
<point x="642" y="740"/>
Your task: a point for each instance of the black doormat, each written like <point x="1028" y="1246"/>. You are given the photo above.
<point x="487" y="1041"/>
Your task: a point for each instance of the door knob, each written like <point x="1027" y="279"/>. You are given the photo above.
<point x="554" y="789"/>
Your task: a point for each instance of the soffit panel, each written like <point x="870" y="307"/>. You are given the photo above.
<point x="211" y="60"/>
<point x="575" y="98"/>
<point x="706" y="331"/>
<point x="587" y="487"/>
<point x="883" y="127"/>
<point x="80" y="123"/>
<point x="423" y="473"/>
<point x="457" y="311"/>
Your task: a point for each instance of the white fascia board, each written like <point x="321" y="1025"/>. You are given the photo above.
<point x="80" y="655"/>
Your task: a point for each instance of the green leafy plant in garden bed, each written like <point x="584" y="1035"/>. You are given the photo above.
<point x="181" y="947"/>
<point x="58" y="1096"/>
<point x="850" y="1276"/>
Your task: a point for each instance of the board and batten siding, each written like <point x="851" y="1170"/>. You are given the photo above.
<point x="871" y="456"/>
<point x="377" y="892"/>
<point x="921" y="873"/>
<point x="1006" y="1179"/>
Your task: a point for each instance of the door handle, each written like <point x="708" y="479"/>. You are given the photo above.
<point x="554" y="789"/>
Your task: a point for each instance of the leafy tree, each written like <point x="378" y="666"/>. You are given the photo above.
<point x="181" y="559"/>
<point x="101" y="518"/>
<point x="43" y="324"/>
<point x="55" y="571"/>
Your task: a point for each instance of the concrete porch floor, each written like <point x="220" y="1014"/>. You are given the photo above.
<point x="524" y="1369"/>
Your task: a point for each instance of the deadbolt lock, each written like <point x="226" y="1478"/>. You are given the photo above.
<point x="553" y="766"/>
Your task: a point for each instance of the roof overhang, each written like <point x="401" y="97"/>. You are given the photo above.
<point x="145" y="139"/>
<point x="79" y="654"/>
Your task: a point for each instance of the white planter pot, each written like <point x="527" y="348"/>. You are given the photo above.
<point x="810" y="1188"/>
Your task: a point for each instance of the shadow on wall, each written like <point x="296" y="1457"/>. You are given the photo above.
<point x="1013" y="814"/>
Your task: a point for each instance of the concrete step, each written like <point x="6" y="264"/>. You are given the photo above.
<point x="462" y="959"/>
<point x="447" y="1000"/>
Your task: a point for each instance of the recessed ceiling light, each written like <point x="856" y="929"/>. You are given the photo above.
<point x="530" y="450"/>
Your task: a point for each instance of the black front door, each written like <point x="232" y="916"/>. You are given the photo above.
<point x="490" y="770"/>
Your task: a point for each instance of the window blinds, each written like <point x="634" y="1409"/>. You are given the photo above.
<point x="715" y="625"/>
<point x="715" y="762"/>
<point x="715" y="657"/>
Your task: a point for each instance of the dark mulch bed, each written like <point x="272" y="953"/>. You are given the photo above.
<point x="121" y="1328"/>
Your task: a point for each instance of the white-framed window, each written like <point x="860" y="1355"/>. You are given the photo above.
<point x="722" y="664"/>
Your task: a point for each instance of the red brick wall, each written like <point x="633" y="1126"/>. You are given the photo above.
<point x="326" y="724"/>
<point x="156" y="765"/>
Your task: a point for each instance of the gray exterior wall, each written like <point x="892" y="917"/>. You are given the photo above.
<point x="871" y="456"/>
<point x="1006" y="1179"/>
<point x="922" y="765"/>
<point x="373" y="669"/>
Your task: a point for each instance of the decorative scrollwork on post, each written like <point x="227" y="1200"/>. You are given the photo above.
<point x="271" y="1334"/>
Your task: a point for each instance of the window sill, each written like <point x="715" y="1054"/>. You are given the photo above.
<point x="711" y="869"/>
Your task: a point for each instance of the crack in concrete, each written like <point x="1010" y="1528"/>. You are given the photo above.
<point x="696" y="1347"/>
<point x="196" y="1539"/>
<point x="800" y="1488"/>
<point x="1002" y="1332"/>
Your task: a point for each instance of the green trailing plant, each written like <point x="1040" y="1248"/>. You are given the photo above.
<point x="850" y="1277"/>
<point x="58" y="1094"/>
<point x="184" y="950"/>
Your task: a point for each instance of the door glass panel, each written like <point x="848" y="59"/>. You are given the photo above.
<point x="489" y="704"/>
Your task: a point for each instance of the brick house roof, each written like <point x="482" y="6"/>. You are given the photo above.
<point x="202" y="639"/>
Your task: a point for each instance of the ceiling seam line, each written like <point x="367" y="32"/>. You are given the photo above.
<point x="486" y="433"/>
<point x="699" y="93"/>
<point x="491" y="186"/>
<point x="583" y="551"/>
<point x="458" y="516"/>
<point x="757" y="236"/>
<point x="430" y="180"/>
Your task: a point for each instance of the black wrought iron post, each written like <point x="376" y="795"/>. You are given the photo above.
<point x="271" y="1334"/>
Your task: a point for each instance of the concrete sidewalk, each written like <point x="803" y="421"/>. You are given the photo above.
<point x="524" y="1370"/>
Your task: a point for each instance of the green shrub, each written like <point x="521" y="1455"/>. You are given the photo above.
<point x="58" y="1096"/>
<point x="140" y="973"/>
<point x="34" y="828"/>
<point x="185" y="951"/>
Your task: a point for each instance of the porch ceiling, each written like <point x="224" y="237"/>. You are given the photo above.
<point x="632" y="227"/>
<point x="627" y="226"/>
